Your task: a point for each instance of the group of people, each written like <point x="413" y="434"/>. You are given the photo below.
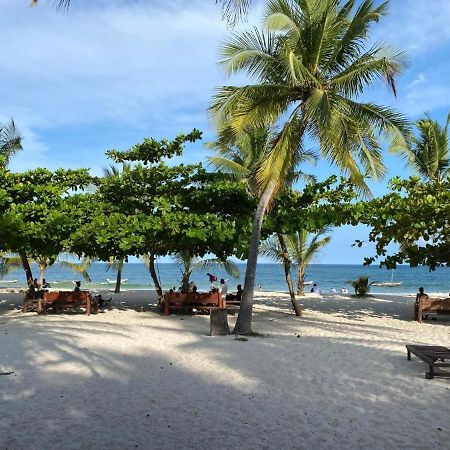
<point x="315" y="289"/>
<point x="222" y="287"/>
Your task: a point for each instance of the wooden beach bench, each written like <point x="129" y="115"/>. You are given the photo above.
<point x="434" y="356"/>
<point x="68" y="300"/>
<point x="427" y="305"/>
<point x="188" y="302"/>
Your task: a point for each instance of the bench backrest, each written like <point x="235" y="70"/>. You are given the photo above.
<point x="438" y="304"/>
<point x="66" y="297"/>
<point x="192" y="298"/>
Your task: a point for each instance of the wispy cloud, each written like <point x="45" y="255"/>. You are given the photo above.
<point x="143" y="66"/>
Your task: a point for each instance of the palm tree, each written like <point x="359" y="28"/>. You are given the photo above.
<point x="10" y="140"/>
<point x="429" y="152"/>
<point x="9" y="263"/>
<point x="303" y="248"/>
<point x="310" y="66"/>
<point x="189" y="263"/>
<point x="242" y="161"/>
<point x="114" y="172"/>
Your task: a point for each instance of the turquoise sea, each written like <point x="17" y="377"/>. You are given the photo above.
<point x="270" y="277"/>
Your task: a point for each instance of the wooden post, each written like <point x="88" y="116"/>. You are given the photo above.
<point x="219" y="322"/>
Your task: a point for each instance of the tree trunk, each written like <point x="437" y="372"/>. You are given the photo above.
<point x="244" y="320"/>
<point x="287" y="273"/>
<point x="218" y="325"/>
<point x="300" y="282"/>
<point x="151" y="268"/>
<point x="42" y="267"/>
<point x="119" y="276"/>
<point x="26" y="267"/>
<point x="185" y="281"/>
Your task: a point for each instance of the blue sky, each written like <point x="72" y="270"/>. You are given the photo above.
<point x="106" y="74"/>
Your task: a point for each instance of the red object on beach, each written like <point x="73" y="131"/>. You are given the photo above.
<point x="212" y="277"/>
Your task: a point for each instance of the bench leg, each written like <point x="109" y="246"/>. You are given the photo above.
<point x="409" y="355"/>
<point x="430" y="374"/>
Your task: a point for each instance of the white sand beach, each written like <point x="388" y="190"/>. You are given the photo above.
<point x="124" y="379"/>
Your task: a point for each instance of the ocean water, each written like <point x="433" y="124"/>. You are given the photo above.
<point x="269" y="277"/>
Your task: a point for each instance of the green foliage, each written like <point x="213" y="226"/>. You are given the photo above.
<point x="10" y="141"/>
<point x="429" y="152"/>
<point x="361" y="285"/>
<point x="152" y="150"/>
<point x="321" y="204"/>
<point x="161" y="209"/>
<point x="311" y="66"/>
<point x="414" y="215"/>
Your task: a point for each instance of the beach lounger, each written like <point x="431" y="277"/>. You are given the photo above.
<point x="434" y="356"/>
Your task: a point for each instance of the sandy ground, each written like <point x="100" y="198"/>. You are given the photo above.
<point x="336" y="378"/>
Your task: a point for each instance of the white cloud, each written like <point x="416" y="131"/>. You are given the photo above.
<point x="417" y="26"/>
<point x="132" y="65"/>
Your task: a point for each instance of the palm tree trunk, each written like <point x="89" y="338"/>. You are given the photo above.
<point x="300" y="282"/>
<point x="244" y="320"/>
<point x="151" y="268"/>
<point x="185" y="281"/>
<point x="119" y="276"/>
<point x="287" y="273"/>
<point x="42" y="267"/>
<point x="26" y="267"/>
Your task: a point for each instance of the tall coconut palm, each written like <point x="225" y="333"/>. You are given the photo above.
<point x="242" y="160"/>
<point x="311" y="65"/>
<point x="114" y="172"/>
<point x="429" y="151"/>
<point x="10" y="140"/>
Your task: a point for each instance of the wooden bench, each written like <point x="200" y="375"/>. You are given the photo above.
<point x="434" y="356"/>
<point x="68" y="300"/>
<point x="427" y="305"/>
<point x="188" y="302"/>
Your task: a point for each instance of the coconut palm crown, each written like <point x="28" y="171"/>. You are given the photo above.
<point x="311" y="65"/>
<point x="429" y="152"/>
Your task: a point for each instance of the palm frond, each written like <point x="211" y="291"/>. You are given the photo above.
<point x="79" y="268"/>
<point x="10" y="140"/>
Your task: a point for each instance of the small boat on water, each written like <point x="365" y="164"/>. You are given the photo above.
<point x="124" y="280"/>
<point x="391" y="283"/>
<point x="307" y="283"/>
<point x="8" y="281"/>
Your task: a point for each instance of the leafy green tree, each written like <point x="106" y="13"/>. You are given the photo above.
<point x="429" y="152"/>
<point x="10" y="141"/>
<point x="311" y="65"/>
<point x="415" y="216"/>
<point x="155" y="209"/>
<point x="37" y="206"/>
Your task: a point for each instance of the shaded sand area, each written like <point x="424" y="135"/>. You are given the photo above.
<point x="336" y="378"/>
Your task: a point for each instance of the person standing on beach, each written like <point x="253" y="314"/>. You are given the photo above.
<point x="223" y="288"/>
<point x="315" y="289"/>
